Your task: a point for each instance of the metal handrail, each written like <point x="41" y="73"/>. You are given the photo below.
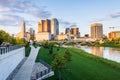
<point x="6" y="49"/>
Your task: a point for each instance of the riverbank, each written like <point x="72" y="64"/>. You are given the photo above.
<point x="83" y="66"/>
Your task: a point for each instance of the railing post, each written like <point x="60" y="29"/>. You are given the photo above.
<point x="6" y="49"/>
<point x="1" y="51"/>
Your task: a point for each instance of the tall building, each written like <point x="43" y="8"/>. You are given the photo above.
<point x="67" y="31"/>
<point x="47" y="29"/>
<point x="30" y="34"/>
<point x="113" y="35"/>
<point x="75" y="31"/>
<point x="22" y="33"/>
<point x="23" y="29"/>
<point x="54" y="27"/>
<point x="47" y="26"/>
<point x="97" y="31"/>
<point x="44" y="26"/>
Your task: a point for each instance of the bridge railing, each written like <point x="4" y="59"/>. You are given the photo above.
<point x="6" y="49"/>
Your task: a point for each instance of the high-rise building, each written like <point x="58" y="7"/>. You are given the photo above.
<point x="44" y="26"/>
<point x="23" y="29"/>
<point x="54" y="27"/>
<point x="51" y="26"/>
<point x="67" y="31"/>
<point x="47" y="25"/>
<point x="97" y="31"/>
<point x="74" y="31"/>
<point x="47" y="29"/>
<point x="41" y="26"/>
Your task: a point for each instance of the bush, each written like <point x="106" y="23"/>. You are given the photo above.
<point x="67" y="56"/>
<point x="27" y="50"/>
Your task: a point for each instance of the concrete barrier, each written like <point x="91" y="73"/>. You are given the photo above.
<point x="9" y="61"/>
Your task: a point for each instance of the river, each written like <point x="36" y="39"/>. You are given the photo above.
<point x="106" y="52"/>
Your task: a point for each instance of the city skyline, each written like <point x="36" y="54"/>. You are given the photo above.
<point x="79" y="14"/>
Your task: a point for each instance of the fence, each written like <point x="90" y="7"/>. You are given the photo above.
<point x="42" y="73"/>
<point x="6" y="49"/>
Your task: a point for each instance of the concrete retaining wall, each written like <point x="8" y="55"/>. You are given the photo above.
<point x="9" y="61"/>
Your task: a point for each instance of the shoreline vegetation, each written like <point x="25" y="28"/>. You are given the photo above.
<point x="83" y="65"/>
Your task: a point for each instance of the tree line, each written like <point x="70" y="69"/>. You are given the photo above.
<point x="7" y="38"/>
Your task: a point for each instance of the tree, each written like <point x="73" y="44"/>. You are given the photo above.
<point x="4" y="37"/>
<point x="50" y="50"/>
<point x="13" y="41"/>
<point x="45" y="44"/>
<point x="58" y="64"/>
<point x="67" y="56"/>
<point x="1" y="40"/>
<point x="51" y="45"/>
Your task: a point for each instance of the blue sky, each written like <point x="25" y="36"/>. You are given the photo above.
<point x="70" y="13"/>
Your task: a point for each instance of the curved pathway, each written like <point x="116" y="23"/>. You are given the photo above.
<point x="25" y="71"/>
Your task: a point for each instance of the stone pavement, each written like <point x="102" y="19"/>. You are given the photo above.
<point x="25" y="71"/>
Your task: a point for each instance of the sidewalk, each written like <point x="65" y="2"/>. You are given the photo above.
<point x="25" y="71"/>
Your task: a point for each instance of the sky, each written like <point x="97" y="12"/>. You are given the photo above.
<point x="70" y="13"/>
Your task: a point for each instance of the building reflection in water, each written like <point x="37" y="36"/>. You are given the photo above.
<point x="114" y="54"/>
<point x="105" y="52"/>
<point x="97" y="51"/>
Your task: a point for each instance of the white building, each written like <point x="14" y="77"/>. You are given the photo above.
<point x="54" y="27"/>
<point x="43" y="36"/>
<point x="22" y="33"/>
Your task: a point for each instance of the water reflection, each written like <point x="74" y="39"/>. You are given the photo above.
<point x="97" y="51"/>
<point x="106" y="52"/>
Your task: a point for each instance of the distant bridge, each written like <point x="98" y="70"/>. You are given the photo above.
<point x="72" y="41"/>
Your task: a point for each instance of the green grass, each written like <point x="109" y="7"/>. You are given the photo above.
<point x="27" y="50"/>
<point x="83" y="66"/>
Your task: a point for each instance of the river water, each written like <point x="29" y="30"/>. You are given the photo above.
<point x="106" y="52"/>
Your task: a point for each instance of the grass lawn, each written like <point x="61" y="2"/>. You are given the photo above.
<point x="27" y="51"/>
<point x="81" y="67"/>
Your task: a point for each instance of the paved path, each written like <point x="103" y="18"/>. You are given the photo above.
<point x="25" y="71"/>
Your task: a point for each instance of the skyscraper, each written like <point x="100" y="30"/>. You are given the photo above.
<point x="47" y="29"/>
<point x="51" y="26"/>
<point x="47" y="26"/>
<point x="54" y="27"/>
<point x="74" y="31"/>
<point x="67" y="31"/>
<point x="23" y="29"/>
<point x="44" y="26"/>
<point x="97" y="31"/>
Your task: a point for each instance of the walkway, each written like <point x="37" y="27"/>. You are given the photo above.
<point x="25" y="71"/>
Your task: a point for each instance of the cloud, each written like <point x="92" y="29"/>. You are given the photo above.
<point x="109" y="16"/>
<point x="10" y="20"/>
<point x="64" y="22"/>
<point x="24" y="6"/>
<point x="5" y="9"/>
<point x="115" y="15"/>
<point x="7" y="2"/>
<point x="73" y="25"/>
<point x="67" y="23"/>
<point x="39" y="13"/>
<point x="30" y="23"/>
